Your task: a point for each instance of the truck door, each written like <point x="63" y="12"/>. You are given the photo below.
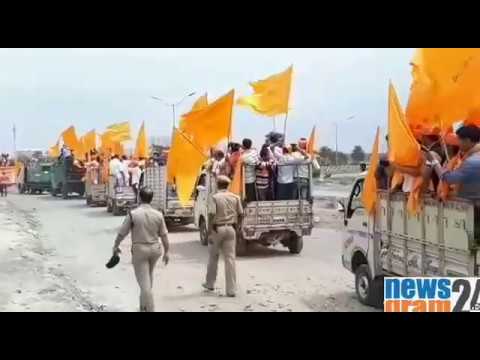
<point x="356" y="218"/>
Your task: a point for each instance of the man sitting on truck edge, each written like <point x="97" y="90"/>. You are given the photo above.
<point x="250" y="159"/>
<point x="467" y="175"/>
<point x="225" y="214"/>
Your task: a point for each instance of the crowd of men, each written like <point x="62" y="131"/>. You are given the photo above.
<point x="276" y="172"/>
<point x="450" y="165"/>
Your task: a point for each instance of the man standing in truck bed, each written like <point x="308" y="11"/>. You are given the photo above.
<point x="225" y="214"/>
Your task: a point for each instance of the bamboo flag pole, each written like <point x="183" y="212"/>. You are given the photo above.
<point x="190" y="142"/>
<point x="285" y="129"/>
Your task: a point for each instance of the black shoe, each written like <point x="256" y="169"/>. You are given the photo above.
<point x="204" y="285"/>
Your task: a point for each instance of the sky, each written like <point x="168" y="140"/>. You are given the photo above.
<point x="44" y="91"/>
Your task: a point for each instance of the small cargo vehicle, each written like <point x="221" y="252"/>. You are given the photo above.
<point x="265" y="222"/>
<point x="66" y="178"/>
<point x="34" y="178"/>
<point x="440" y="241"/>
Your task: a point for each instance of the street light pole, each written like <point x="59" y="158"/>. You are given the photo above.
<point x="173" y="107"/>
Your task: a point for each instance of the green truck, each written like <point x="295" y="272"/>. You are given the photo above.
<point x="35" y="178"/>
<point x="66" y="178"/>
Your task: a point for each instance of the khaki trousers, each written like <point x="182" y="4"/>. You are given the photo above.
<point x="222" y="241"/>
<point x="144" y="259"/>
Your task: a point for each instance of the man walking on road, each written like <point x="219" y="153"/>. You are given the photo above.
<point x="225" y="214"/>
<point x="146" y="225"/>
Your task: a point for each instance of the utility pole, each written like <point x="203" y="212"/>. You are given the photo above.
<point x="14" y="140"/>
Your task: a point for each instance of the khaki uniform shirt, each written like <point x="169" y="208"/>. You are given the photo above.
<point x="226" y="207"/>
<point x="148" y="225"/>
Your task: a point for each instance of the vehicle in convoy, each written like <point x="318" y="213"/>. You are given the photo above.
<point x="119" y="199"/>
<point x="440" y="241"/>
<point x="165" y="198"/>
<point x="34" y="177"/>
<point x="264" y="222"/>
<point x="95" y="190"/>
<point x="66" y="178"/>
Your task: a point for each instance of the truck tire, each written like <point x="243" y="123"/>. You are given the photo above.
<point x="203" y="232"/>
<point x="81" y="193"/>
<point x="89" y="201"/>
<point x="116" y="210"/>
<point x="295" y="245"/>
<point x="369" y="291"/>
<point x="21" y="189"/>
<point x="64" y="192"/>
<point x="109" y="206"/>
<point x="241" y="245"/>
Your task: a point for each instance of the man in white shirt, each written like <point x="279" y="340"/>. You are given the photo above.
<point x="124" y="175"/>
<point x="249" y="159"/>
<point x="286" y="189"/>
<point x="302" y="172"/>
<point x="115" y="166"/>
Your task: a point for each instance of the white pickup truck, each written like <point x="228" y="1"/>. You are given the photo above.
<point x="440" y="241"/>
<point x="165" y="198"/>
<point x="264" y="222"/>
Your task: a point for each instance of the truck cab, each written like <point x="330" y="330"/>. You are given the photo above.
<point x="265" y="222"/>
<point x="439" y="241"/>
<point x="35" y="177"/>
<point x="95" y="189"/>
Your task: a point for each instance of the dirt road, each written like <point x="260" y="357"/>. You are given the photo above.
<point x="53" y="254"/>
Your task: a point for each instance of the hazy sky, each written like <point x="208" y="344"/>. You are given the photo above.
<point x="43" y="91"/>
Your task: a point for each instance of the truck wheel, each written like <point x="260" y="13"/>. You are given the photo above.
<point x="89" y="200"/>
<point x="241" y="246"/>
<point x="21" y="189"/>
<point x="203" y="232"/>
<point x="109" y="206"/>
<point x="295" y="244"/>
<point x="369" y="292"/>
<point x="64" y="192"/>
<point x="116" y="210"/>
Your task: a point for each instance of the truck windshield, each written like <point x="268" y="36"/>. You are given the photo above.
<point x="46" y="168"/>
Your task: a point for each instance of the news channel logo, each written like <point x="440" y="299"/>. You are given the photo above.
<point x="431" y="294"/>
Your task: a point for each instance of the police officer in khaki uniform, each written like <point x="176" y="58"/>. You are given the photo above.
<point x="225" y="214"/>
<point x="146" y="225"/>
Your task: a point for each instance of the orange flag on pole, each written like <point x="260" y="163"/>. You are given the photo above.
<point x="312" y="142"/>
<point x="141" y="147"/>
<point x="404" y="150"/>
<point x="208" y="127"/>
<point x="369" y="196"/>
<point x="69" y="137"/>
<point x="271" y="96"/>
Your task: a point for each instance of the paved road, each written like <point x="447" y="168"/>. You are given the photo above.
<point x="70" y="243"/>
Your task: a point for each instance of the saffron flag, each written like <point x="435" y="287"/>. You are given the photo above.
<point x="312" y="142"/>
<point x="69" y="137"/>
<point x="120" y="132"/>
<point x="208" y="127"/>
<point x="404" y="150"/>
<point x="54" y="151"/>
<point x="444" y="87"/>
<point x="369" y="196"/>
<point x="141" y="147"/>
<point x="90" y="141"/>
<point x="237" y="184"/>
<point x="201" y="103"/>
<point x="188" y="163"/>
<point x="271" y="96"/>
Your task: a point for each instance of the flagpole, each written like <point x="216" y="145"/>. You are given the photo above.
<point x="285" y="129"/>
